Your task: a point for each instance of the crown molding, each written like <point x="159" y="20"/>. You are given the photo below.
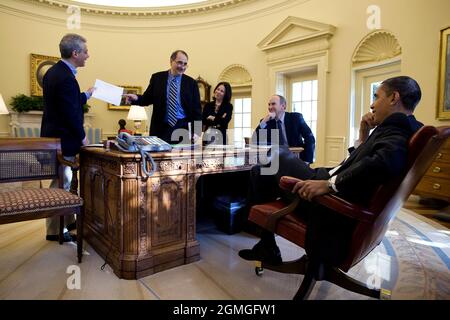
<point x="189" y="9"/>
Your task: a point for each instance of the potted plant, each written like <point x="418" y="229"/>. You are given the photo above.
<point x="24" y="103"/>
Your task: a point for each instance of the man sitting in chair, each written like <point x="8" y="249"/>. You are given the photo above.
<point x="380" y="156"/>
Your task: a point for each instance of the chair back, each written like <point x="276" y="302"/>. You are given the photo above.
<point x="24" y="159"/>
<point x="390" y="197"/>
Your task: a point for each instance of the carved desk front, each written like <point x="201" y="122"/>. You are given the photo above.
<point x="145" y="225"/>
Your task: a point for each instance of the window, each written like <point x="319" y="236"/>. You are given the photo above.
<point x="304" y="100"/>
<point x="242" y="120"/>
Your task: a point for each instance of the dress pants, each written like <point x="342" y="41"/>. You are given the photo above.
<point x="328" y="233"/>
<point x="53" y="223"/>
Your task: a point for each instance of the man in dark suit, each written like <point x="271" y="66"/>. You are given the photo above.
<point x="381" y="156"/>
<point x="292" y="129"/>
<point x="175" y="98"/>
<point x="63" y="111"/>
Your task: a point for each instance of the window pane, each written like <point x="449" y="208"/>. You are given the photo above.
<point x="238" y="105"/>
<point x="296" y="107"/>
<point x="306" y="91"/>
<point x="247" y="121"/>
<point x="247" y="132"/>
<point x="237" y="120"/>
<point x="237" y="134"/>
<point x="306" y="110"/>
<point x="296" y="91"/>
<point x="247" y="105"/>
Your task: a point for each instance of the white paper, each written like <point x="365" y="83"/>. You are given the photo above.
<point x="107" y="92"/>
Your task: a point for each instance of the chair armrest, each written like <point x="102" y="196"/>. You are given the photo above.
<point x="333" y="202"/>
<point x="344" y="207"/>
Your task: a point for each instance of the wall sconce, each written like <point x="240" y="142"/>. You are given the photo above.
<point x="137" y="114"/>
<point x="3" y="108"/>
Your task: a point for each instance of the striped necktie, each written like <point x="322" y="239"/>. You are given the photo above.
<point x="172" y="103"/>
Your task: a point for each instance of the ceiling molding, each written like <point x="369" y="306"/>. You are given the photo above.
<point x="195" y="8"/>
<point x="294" y="30"/>
<point x="377" y="46"/>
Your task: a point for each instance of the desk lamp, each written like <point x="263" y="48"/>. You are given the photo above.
<point x="3" y="108"/>
<point x="137" y="114"/>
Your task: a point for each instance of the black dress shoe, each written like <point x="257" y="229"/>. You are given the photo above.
<point x="66" y="237"/>
<point x="260" y="252"/>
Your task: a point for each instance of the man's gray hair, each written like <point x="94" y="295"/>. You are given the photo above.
<point x="69" y="43"/>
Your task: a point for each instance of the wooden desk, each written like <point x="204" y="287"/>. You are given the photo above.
<point x="145" y="225"/>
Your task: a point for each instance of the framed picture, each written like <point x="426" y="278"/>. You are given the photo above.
<point x="443" y="107"/>
<point x="205" y="90"/>
<point x="123" y="105"/>
<point x="39" y="66"/>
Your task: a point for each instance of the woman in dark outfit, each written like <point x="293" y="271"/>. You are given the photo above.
<point x="217" y="114"/>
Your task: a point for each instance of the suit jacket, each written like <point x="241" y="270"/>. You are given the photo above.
<point x="297" y="132"/>
<point x="220" y="122"/>
<point x="382" y="156"/>
<point x="63" y="108"/>
<point x="156" y="94"/>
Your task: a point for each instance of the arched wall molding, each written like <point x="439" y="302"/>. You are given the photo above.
<point x="294" y="46"/>
<point x="377" y="46"/>
<point x="238" y="77"/>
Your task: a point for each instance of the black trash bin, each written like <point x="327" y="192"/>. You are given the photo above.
<point x="230" y="213"/>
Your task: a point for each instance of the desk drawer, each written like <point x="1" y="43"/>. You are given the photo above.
<point x="444" y="154"/>
<point x="439" y="169"/>
<point x="434" y="187"/>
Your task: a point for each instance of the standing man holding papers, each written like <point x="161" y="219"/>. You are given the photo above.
<point x="175" y="98"/>
<point x="63" y="113"/>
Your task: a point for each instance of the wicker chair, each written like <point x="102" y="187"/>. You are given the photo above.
<point x="26" y="159"/>
<point x="371" y="222"/>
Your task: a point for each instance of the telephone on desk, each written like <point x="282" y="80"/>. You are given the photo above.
<point x="144" y="145"/>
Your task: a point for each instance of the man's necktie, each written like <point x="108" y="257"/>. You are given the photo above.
<point x="172" y="103"/>
<point x="280" y="133"/>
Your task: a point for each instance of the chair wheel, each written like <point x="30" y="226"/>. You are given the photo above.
<point x="259" y="271"/>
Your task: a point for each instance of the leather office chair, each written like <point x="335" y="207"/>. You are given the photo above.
<point x="371" y="222"/>
<point x="25" y="159"/>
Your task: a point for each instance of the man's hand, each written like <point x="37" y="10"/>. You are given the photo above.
<point x="130" y="97"/>
<point x="91" y="90"/>
<point x="85" y="141"/>
<point x="211" y="118"/>
<point x="308" y="189"/>
<point x="269" y="116"/>
<point x="367" y="124"/>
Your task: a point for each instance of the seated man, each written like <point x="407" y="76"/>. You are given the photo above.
<point x="292" y="128"/>
<point x="381" y="156"/>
